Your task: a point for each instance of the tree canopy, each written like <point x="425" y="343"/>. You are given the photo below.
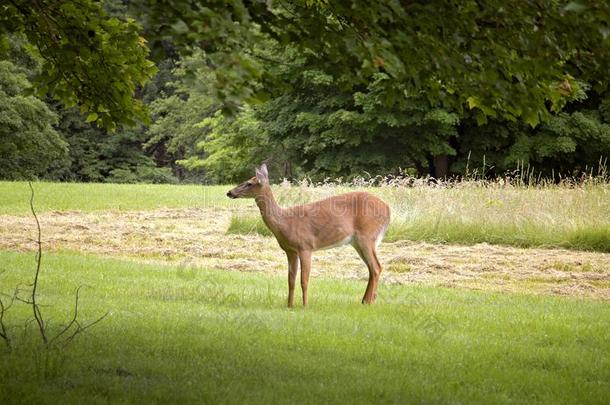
<point x="500" y="58"/>
<point x="322" y="88"/>
<point x="88" y="58"/>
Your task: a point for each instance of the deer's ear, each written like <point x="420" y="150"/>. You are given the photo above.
<point x="262" y="175"/>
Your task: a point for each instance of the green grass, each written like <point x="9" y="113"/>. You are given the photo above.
<point x="190" y="335"/>
<point x="593" y="237"/>
<point x="551" y="216"/>
<point x="465" y="213"/>
<point x="98" y="196"/>
<point x="248" y="224"/>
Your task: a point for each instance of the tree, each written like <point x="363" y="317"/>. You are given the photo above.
<point x="89" y="59"/>
<point x="29" y="141"/>
<point x="511" y="60"/>
<point x="515" y="59"/>
<point x="98" y="156"/>
<point x="328" y="87"/>
<point x="497" y="58"/>
<point x="333" y="133"/>
<point x="328" y="129"/>
<point x="185" y="101"/>
<point x="570" y="143"/>
<point x="236" y="144"/>
<point x="486" y="63"/>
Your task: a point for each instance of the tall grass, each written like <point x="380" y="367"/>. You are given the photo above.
<point x="577" y="218"/>
<point x="569" y="215"/>
<point x="573" y="214"/>
<point x="248" y="224"/>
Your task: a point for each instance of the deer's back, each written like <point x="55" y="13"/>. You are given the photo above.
<point x="336" y="220"/>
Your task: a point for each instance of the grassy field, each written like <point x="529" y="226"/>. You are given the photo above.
<point x="96" y="197"/>
<point x="190" y="335"/>
<point x="184" y="328"/>
<point x="467" y="213"/>
<point x="550" y="216"/>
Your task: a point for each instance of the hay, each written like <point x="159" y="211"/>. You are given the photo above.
<point x="197" y="237"/>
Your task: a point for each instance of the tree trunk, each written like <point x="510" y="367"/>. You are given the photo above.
<point x="441" y="166"/>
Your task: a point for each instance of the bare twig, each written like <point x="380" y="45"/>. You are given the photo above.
<point x="74" y="321"/>
<point x="81" y="328"/>
<point x="35" y="307"/>
<point x="72" y="329"/>
<point x="3" y="332"/>
<point x="74" y="318"/>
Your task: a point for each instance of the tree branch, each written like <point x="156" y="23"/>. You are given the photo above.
<point x="74" y="321"/>
<point x="81" y="328"/>
<point x="3" y="332"/>
<point x="35" y="307"/>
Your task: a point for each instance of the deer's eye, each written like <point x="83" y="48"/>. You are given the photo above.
<point x="249" y="184"/>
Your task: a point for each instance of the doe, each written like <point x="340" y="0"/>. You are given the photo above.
<point x="358" y="218"/>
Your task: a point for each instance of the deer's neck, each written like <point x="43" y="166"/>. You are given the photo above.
<point x="270" y="210"/>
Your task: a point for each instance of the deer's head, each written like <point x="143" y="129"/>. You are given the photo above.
<point x="253" y="187"/>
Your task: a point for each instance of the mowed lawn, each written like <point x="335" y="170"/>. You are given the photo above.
<point x="14" y="197"/>
<point x="182" y="333"/>
<point x="191" y="335"/>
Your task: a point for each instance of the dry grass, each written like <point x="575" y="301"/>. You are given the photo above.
<point x="573" y="216"/>
<point x="197" y="236"/>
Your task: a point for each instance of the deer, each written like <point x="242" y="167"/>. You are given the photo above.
<point x="357" y="218"/>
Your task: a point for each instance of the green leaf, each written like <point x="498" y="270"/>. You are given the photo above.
<point x="481" y="118"/>
<point x="473" y="102"/>
<point x="91" y="117"/>
<point x="531" y="118"/>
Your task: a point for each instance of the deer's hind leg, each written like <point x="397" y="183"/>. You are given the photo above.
<point x="305" y="260"/>
<point x="366" y="250"/>
<point x="293" y="267"/>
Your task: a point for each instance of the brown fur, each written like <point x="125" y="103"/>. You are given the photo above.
<point x="358" y="218"/>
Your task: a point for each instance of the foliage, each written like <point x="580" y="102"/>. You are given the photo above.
<point x="496" y="58"/>
<point x="88" y="59"/>
<point x="177" y="110"/>
<point x="98" y="156"/>
<point x="328" y="132"/>
<point x="29" y="141"/>
<point x="569" y="143"/>
<point x="222" y="35"/>
<point x="234" y="146"/>
<point x="86" y="153"/>
<point x="317" y="88"/>
<point x="334" y="133"/>
<point x="200" y="141"/>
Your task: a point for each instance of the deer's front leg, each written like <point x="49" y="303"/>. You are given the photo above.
<point x="293" y="267"/>
<point x="305" y="257"/>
